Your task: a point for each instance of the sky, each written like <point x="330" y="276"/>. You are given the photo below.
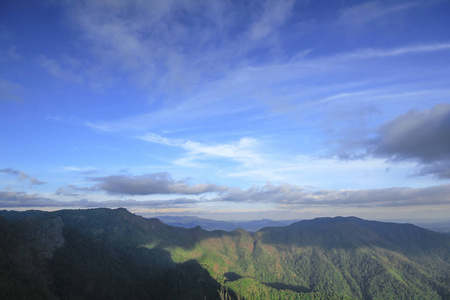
<point x="229" y="110"/>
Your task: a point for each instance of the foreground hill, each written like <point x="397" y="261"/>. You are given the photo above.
<point x="113" y="254"/>
<point x="95" y="254"/>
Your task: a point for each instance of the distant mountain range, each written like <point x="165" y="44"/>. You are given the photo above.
<point x="210" y="225"/>
<point x="255" y="225"/>
<point x="114" y="254"/>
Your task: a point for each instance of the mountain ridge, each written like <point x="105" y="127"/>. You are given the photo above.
<point x="211" y="225"/>
<point x="108" y="251"/>
<point x="255" y="225"/>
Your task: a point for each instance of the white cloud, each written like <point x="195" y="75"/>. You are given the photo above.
<point x="86" y="170"/>
<point x="257" y="163"/>
<point x="244" y="151"/>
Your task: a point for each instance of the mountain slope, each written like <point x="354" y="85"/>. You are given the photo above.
<point x="331" y="257"/>
<point x="98" y="256"/>
<point x="104" y="254"/>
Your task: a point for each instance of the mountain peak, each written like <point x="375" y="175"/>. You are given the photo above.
<point x="343" y="257"/>
<point x="353" y="232"/>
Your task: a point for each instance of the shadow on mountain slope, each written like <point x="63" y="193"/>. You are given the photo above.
<point x="98" y="254"/>
<point x="88" y="269"/>
<point x="121" y="228"/>
<point x="290" y="287"/>
<point x="25" y="247"/>
<point x="112" y="253"/>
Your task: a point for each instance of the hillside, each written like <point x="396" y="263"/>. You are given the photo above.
<point x="339" y="257"/>
<point x="105" y="254"/>
<point x="98" y="255"/>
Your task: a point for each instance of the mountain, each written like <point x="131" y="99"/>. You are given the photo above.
<point x="114" y="254"/>
<point x="96" y="254"/>
<point x="330" y="257"/>
<point x="211" y="225"/>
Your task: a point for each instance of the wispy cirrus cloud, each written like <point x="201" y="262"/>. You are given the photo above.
<point x="380" y="53"/>
<point x="56" y="69"/>
<point x="243" y="151"/>
<point x="155" y="45"/>
<point x="363" y="13"/>
<point x="292" y="90"/>
<point x="274" y="14"/>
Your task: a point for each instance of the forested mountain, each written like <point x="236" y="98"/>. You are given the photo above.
<point x="113" y="254"/>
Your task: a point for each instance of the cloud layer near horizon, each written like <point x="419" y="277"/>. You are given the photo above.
<point x="284" y="196"/>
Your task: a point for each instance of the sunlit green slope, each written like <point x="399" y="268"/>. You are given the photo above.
<point x="337" y="258"/>
<point x="113" y="254"/>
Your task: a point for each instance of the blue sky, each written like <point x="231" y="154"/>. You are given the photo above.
<point x="227" y="109"/>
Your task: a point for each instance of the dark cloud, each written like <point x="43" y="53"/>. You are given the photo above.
<point x="289" y="196"/>
<point x="420" y="135"/>
<point x="266" y="193"/>
<point x="71" y="190"/>
<point x="22" y="199"/>
<point x="149" y="184"/>
<point x="439" y="170"/>
<point x="22" y="176"/>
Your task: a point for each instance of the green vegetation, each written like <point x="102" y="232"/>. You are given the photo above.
<point x="337" y="259"/>
<point x="105" y="254"/>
